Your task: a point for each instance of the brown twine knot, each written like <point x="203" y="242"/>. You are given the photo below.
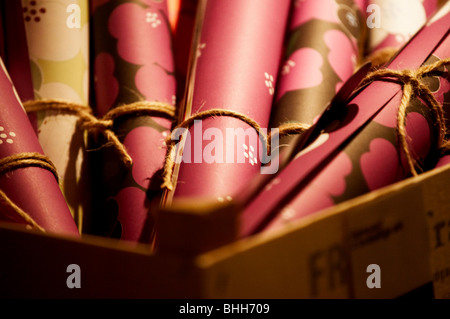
<point x="412" y="86"/>
<point x="186" y="124"/>
<point x="22" y="160"/>
<point x="105" y="124"/>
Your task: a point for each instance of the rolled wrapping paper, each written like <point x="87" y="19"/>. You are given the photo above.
<point x="33" y="189"/>
<point x="391" y="23"/>
<point x="358" y="149"/>
<point x="133" y="62"/>
<point x="58" y="44"/>
<point x="14" y="48"/>
<point x="322" y="51"/>
<point x="237" y="57"/>
<point x="182" y="41"/>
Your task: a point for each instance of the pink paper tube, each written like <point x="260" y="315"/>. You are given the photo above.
<point x="33" y="189"/>
<point x="133" y="62"/>
<point x="237" y="55"/>
<point x="358" y="150"/>
<point x="323" y="49"/>
<point x="14" y="48"/>
<point x="182" y="42"/>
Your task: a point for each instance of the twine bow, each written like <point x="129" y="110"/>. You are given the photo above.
<point x="412" y="86"/>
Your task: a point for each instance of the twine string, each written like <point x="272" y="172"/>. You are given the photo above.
<point x="377" y="59"/>
<point x="409" y="79"/>
<point x="23" y="160"/>
<point x="88" y="122"/>
<point x="105" y="124"/>
<point x="288" y="128"/>
<point x="186" y="124"/>
<point x="412" y="86"/>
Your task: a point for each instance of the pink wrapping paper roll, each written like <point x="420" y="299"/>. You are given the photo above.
<point x="358" y="150"/>
<point x="33" y="189"/>
<point x="182" y="42"/>
<point x="15" y="50"/>
<point x="133" y="62"/>
<point x="324" y="45"/>
<point x="237" y="56"/>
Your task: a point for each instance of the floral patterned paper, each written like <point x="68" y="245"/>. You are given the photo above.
<point x="14" y="49"/>
<point x="358" y="151"/>
<point x="322" y="52"/>
<point x="58" y="48"/>
<point x="133" y="62"/>
<point x="58" y="44"/>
